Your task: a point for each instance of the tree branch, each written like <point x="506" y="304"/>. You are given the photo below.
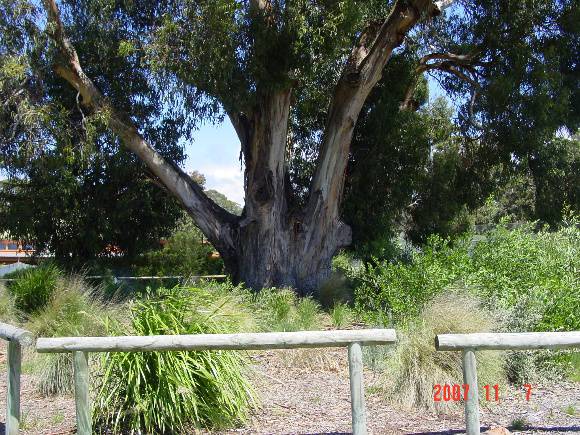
<point x="361" y="73"/>
<point x="215" y="222"/>
<point x="448" y="62"/>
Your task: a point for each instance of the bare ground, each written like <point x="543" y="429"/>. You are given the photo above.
<point x="307" y="392"/>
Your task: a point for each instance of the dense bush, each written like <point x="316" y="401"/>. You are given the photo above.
<point x="33" y="287"/>
<point x="392" y="292"/>
<point x="185" y="253"/>
<point x="529" y="278"/>
<point x="532" y="276"/>
<point x="415" y="366"/>
<point x="165" y="392"/>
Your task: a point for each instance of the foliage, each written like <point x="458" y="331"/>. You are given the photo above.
<point x="539" y="269"/>
<point x="283" y="310"/>
<point x="185" y="253"/>
<point x="415" y="366"/>
<point x="341" y="315"/>
<point x="512" y="202"/>
<point x="33" y="287"/>
<point x="159" y="392"/>
<point x="74" y="309"/>
<point x="556" y="171"/>
<point x="8" y="312"/>
<point x="527" y="278"/>
<point x="390" y="292"/>
<point x="532" y="274"/>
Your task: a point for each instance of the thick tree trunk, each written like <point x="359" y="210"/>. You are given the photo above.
<point x="276" y="246"/>
<point x="285" y="254"/>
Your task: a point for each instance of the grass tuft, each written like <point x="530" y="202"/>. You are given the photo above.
<point x="167" y="392"/>
<point x="74" y="309"/>
<point x="283" y="310"/>
<point x="414" y="366"/>
<point x="341" y="315"/>
<point x="33" y="287"/>
<point x="8" y="311"/>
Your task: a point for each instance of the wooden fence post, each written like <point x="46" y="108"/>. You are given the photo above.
<point x="472" y="402"/>
<point x="13" y="388"/>
<point x="357" y="397"/>
<point x="82" y="399"/>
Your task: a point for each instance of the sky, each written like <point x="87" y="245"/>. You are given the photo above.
<point x="215" y="152"/>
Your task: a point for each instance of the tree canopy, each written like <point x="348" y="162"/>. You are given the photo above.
<point x="300" y="81"/>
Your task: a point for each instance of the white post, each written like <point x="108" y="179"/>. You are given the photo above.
<point x="357" y="397"/>
<point x="13" y="387"/>
<point x="472" y="402"/>
<point x="82" y="400"/>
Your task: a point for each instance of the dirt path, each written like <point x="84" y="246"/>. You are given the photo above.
<point x="307" y="392"/>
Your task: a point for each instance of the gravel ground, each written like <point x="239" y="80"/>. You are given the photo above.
<point x="307" y="392"/>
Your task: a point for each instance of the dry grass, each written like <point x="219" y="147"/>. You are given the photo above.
<point x="8" y="312"/>
<point x="414" y="366"/>
<point x="74" y="309"/>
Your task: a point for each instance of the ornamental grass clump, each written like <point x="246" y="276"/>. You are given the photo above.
<point x="73" y="309"/>
<point x="283" y="310"/>
<point x="171" y="392"/>
<point x="33" y="287"/>
<point x="415" y="366"/>
<point x="8" y="312"/>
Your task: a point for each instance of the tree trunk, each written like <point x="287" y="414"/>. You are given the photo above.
<point x="285" y="254"/>
<point x="273" y="245"/>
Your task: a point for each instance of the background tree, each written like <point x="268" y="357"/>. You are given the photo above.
<point x="82" y="210"/>
<point x="292" y="77"/>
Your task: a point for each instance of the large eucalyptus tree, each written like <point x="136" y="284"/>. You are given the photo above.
<point x="286" y="73"/>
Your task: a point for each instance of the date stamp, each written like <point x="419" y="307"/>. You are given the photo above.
<point x="459" y="392"/>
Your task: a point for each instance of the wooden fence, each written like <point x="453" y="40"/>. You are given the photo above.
<point x="353" y="339"/>
<point x="193" y="278"/>
<point x="80" y="347"/>
<point x="16" y="339"/>
<point x="468" y="344"/>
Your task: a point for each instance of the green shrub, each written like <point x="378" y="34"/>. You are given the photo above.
<point x="74" y="309"/>
<point x="341" y="315"/>
<point x="33" y="287"/>
<point x="530" y="278"/>
<point x="414" y="366"/>
<point x="389" y="293"/>
<point x="534" y="275"/>
<point x="283" y="310"/>
<point x="8" y="312"/>
<point x="166" y="392"/>
<point x="184" y="254"/>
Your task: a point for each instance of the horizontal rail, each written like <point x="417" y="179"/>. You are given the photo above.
<point x="504" y="341"/>
<point x="245" y="341"/>
<point x="12" y="333"/>
<point x="128" y="278"/>
<point x="158" y="277"/>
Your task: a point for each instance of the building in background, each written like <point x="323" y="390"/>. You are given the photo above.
<point x="12" y="251"/>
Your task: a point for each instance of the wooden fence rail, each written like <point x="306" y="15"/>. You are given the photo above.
<point x="353" y="339"/>
<point x="468" y="344"/>
<point x="193" y="278"/>
<point x="17" y="338"/>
